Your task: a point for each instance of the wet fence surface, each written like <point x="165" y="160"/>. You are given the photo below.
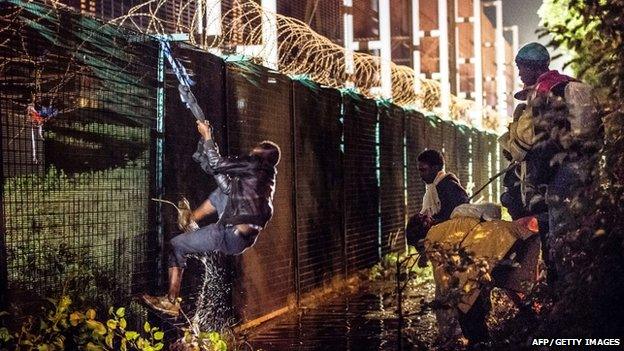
<point x="78" y="194"/>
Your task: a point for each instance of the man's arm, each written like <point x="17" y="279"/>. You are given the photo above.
<point x="205" y="209"/>
<point x="202" y="156"/>
<point x="217" y="163"/>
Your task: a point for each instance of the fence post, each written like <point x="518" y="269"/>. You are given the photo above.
<point x="295" y="231"/>
<point x="160" y="147"/>
<point x="3" y="255"/>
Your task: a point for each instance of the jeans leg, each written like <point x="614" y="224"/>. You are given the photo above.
<point x="205" y="239"/>
<point x="235" y="243"/>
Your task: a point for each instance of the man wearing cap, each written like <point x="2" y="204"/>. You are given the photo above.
<point x="545" y="186"/>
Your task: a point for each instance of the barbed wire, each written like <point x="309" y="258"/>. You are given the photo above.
<point x="298" y="50"/>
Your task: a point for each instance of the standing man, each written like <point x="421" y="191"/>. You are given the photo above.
<point x="243" y="201"/>
<point x="558" y="115"/>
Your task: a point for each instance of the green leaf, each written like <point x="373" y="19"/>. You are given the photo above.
<point x="112" y="324"/>
<point x="220" y="346"/>
<point x="120" y="312"/>
<point x="132" y="335"/>
<point x="109" y="340"/>
<point x="122" y="323"/>
<point x="159" y="335"/>
<point x="214" y="337"/>
<point x="97" y="327"/>
<point x="92" y="347"/>
<point x="146" y="327"/>
<point x="5" y="335"/>
<point x="159" y="346"/>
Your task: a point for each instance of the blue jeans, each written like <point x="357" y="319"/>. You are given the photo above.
<point x="213" y="237"/>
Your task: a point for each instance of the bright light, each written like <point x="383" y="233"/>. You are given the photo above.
<point x="416" y="43"/>
<point x="445" y="87"/>
<point x="478" y="61"/>
<point x="348" y="38"/>
<point x="386" y="48"/>
<point x="269" y="33"/>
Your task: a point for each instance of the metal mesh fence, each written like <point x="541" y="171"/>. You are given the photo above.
<point x="433" y="133"/>
<point x="319" y="185"/>
<point x="258" y="108"/>
<point x="464" y="157"/>
<point x="392" y="182"/>
<point x="415" y="140"/>
<point x="449" y="147"/>
<point x="206" y="288"/>
<point x="76" y="189"/>
<point x="361" y="188"/>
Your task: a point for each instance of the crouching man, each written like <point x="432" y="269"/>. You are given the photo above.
<point x="243" y="202"/>
<point x="443" y="192"/>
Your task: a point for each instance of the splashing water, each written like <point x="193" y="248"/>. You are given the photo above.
<point x="212" y="307"/>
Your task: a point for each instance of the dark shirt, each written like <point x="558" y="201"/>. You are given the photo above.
<point x="451" y="195"/>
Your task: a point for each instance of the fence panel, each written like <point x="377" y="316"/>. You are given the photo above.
<point x="392" y="189"/>
<point x="495" y="166"/>
<point x="319" y="185"/>
<point x="183" y="177"/>
<point x="415" y="139"/>
<point x="449" y="146"/>
<point x="481" y="169"/>
<point x="82" y="199"/>
<point x="433" y="133"/>
<point x="361" y="187"/>
<point x="258" y="104"/>
<point x="464" y="157"/>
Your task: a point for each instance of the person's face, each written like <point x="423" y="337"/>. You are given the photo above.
<point x="528" y="75"/>
<point x="427" y="172"/>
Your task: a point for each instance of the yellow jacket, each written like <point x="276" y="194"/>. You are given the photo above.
<point x="489" y="240"/>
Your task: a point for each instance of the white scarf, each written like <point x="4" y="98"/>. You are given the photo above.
<point x="431" y="202"/>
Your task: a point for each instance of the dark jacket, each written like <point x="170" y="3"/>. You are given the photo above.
<point x="451" y="195"/>
<point x="248" y="181"/>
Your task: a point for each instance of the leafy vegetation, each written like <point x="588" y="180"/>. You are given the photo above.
<point x="62" y="326"/>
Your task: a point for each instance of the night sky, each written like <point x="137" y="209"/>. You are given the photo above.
<point x="524" y="14"/>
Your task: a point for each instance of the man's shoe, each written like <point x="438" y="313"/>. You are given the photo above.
<point x="162" y="304"/>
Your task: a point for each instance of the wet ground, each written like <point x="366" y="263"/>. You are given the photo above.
<point x="362" y="318"/>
